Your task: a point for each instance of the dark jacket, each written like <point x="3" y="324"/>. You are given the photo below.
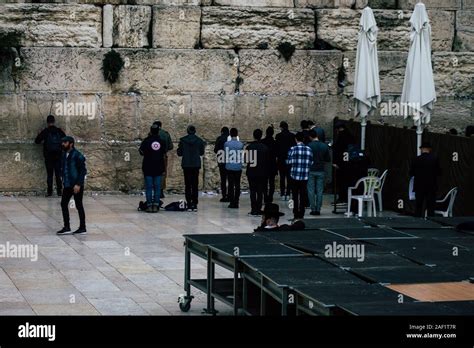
<point x="191" y="148"/>
<point x="153" y="150"/>
<point x="272" y="155"/>
<point x="260" y="156"/>
<point x="73" y="168"/>
<point x="219" y="145"/>
<point x="426" y="169"/>
<point x="341" y="145"/>
<point x="165" y="136"/>
<point x="285" y="140"/>
<point x="43" y="137"/>
<point x="320" y="155"/>
<point x="296" y="226"/>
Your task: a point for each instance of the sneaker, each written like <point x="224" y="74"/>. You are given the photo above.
<point x="224" y="200"/>
<point x="189" y="209"/>
<point x="80" y="230"/>
<point x="155" y="208"/>
<point x="149" y="209"/>
<point x="64" y="231"/>
<point x="195" y="209"/>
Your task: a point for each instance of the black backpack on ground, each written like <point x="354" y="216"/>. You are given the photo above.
<point x="53" y="141"/>
<point x="177" y="206"/>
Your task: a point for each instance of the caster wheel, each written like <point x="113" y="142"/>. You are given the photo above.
<point x="185" y="303"/>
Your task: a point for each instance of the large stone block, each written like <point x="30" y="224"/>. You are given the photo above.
<point x="37" y="107"/>
<point x="322" y="109"/>
<point x="308" y="72"/>
<point x="291" y="109"/>
<point x="12" y="117"/>
<point x="431" y="4"/>
<point x="53" y="25"/>
<point x="248" y="110"/>
<point x="176" y="27"/>
<point x="210" y="113"/>
<point x="392" y="67"/>
<point x="257" y="3"/>
<point x="131" y="26"/>
<point x="21" y="167"/>
<point x="9" y="61"/>
<point x="454" y="73"/>
<point x="316" y="3"/>
<point x="178" y="71"/>
<point x="253" y="27"/>
<point x="120" y="117"/>
<point x="62" y="70"/>
<point x="383" y="4"/>
<point x="339" y="28"/>
<point x="468" y="4"/>
<point x="465" y="30"/>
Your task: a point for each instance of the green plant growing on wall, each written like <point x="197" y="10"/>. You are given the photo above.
<point x="286" y="49"/>
<point x="111" y="66"/>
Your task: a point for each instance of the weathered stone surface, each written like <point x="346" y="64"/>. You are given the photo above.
<point x="392" y="67"/>
<point x="383" y="4"/>
<point x="465" y="30"/>
<point x="12" y="117"/>
<point x="62" y="70"/>
<point x="468" y="4"/>
<point x="176" y="27"/>
<point x="53" y="25"/>
<point x="431" y="4"/>
<point x="249" y="27"/>
<point x="120" y="117"/>
<point x="178" y="71"/>
<point x="108" y="25"/>
<point x="21" y="167"/>
<point x="316" y="3"/>
<point x="257" y="3"/>
<point x="291" y="109"/>
<point x="454" y="73"/>
<point x="210" y="113"/>
<point x="354" y="4"/>
<point x="308" y="72"/>
<point x="339" y="28"/>
<point x="158" y="71"/>
<point x="37" y="107"/>
<point x="131" y="26"/>
<point x="9" y="58"/>
<point x="322" y="109"/>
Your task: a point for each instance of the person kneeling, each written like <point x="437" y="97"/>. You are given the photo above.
<point x="270" y="218"/>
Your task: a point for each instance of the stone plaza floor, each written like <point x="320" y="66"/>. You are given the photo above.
<point x="129" y="263"/>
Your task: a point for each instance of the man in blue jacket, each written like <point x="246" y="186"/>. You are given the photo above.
<point x="73" y="171"/>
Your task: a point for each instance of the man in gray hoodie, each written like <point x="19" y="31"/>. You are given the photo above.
<point x="190" y="149"/>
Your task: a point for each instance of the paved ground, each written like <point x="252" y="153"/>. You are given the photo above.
<point x="130" y="263"/>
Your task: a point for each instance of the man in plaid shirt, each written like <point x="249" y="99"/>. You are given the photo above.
<point x="300" y="159"/>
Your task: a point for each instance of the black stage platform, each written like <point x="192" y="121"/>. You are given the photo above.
<point x="302" y="273"/>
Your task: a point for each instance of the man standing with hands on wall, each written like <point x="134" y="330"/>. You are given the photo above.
<point x="73" y="172"/>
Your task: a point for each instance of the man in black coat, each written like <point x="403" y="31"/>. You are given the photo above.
<point x="219" y="146"/>
<point x="257" y="171"/>
<point x="51" y="137"/>
<point x="153" y="149"/>
<point x="272" y="170"/>
<point x="285" y="140"/>
<point x="425" y="169"/>
<point x="190" y="149"/>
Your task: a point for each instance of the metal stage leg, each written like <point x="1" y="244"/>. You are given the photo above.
<point x="263" y="300"/>
<point x="244" y="294"/>
<point x="210" y="285"/>
<point x="284" y="302"/>
<point x="236" y="282"/>
<point x="185" y="301"/>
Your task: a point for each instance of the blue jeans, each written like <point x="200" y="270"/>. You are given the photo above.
<point x="152" y="189"/>
<point x="315" y="190"/>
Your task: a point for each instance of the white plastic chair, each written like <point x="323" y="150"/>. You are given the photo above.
<point x="452" y="197"/>
<point x="370" y="184"/>
<point x="373" y="172"/>
<point x="378" y="190"/>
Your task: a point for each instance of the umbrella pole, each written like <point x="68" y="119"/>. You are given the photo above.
<point x="363" y="125"/>
<point x="419" y="134"/>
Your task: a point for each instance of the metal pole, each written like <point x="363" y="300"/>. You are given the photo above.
<point x="419" y="133"/>
<point x="363" y="124"/>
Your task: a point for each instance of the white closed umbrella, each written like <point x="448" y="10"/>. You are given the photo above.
<point x="419" y="93"/>
<point x="366" y="79"/>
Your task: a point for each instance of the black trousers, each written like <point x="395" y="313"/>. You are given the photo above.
<point x="234" y="186"/>
<point x="300" y="194"/>
<point x="257" y="188"/>
<point x="53" y="167"/>
<point x="68" y="192"/>
<point x="224" y="180"/>
<point x="269" y="188"/>
<point x="285" y="180"/>
<point x="191" y="183"/>
<point x="423" y="197"/>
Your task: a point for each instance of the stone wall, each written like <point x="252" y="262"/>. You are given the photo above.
<point x="206" y="62"/>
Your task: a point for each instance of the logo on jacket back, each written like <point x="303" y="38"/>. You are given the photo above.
<point x="155" y="145"/>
